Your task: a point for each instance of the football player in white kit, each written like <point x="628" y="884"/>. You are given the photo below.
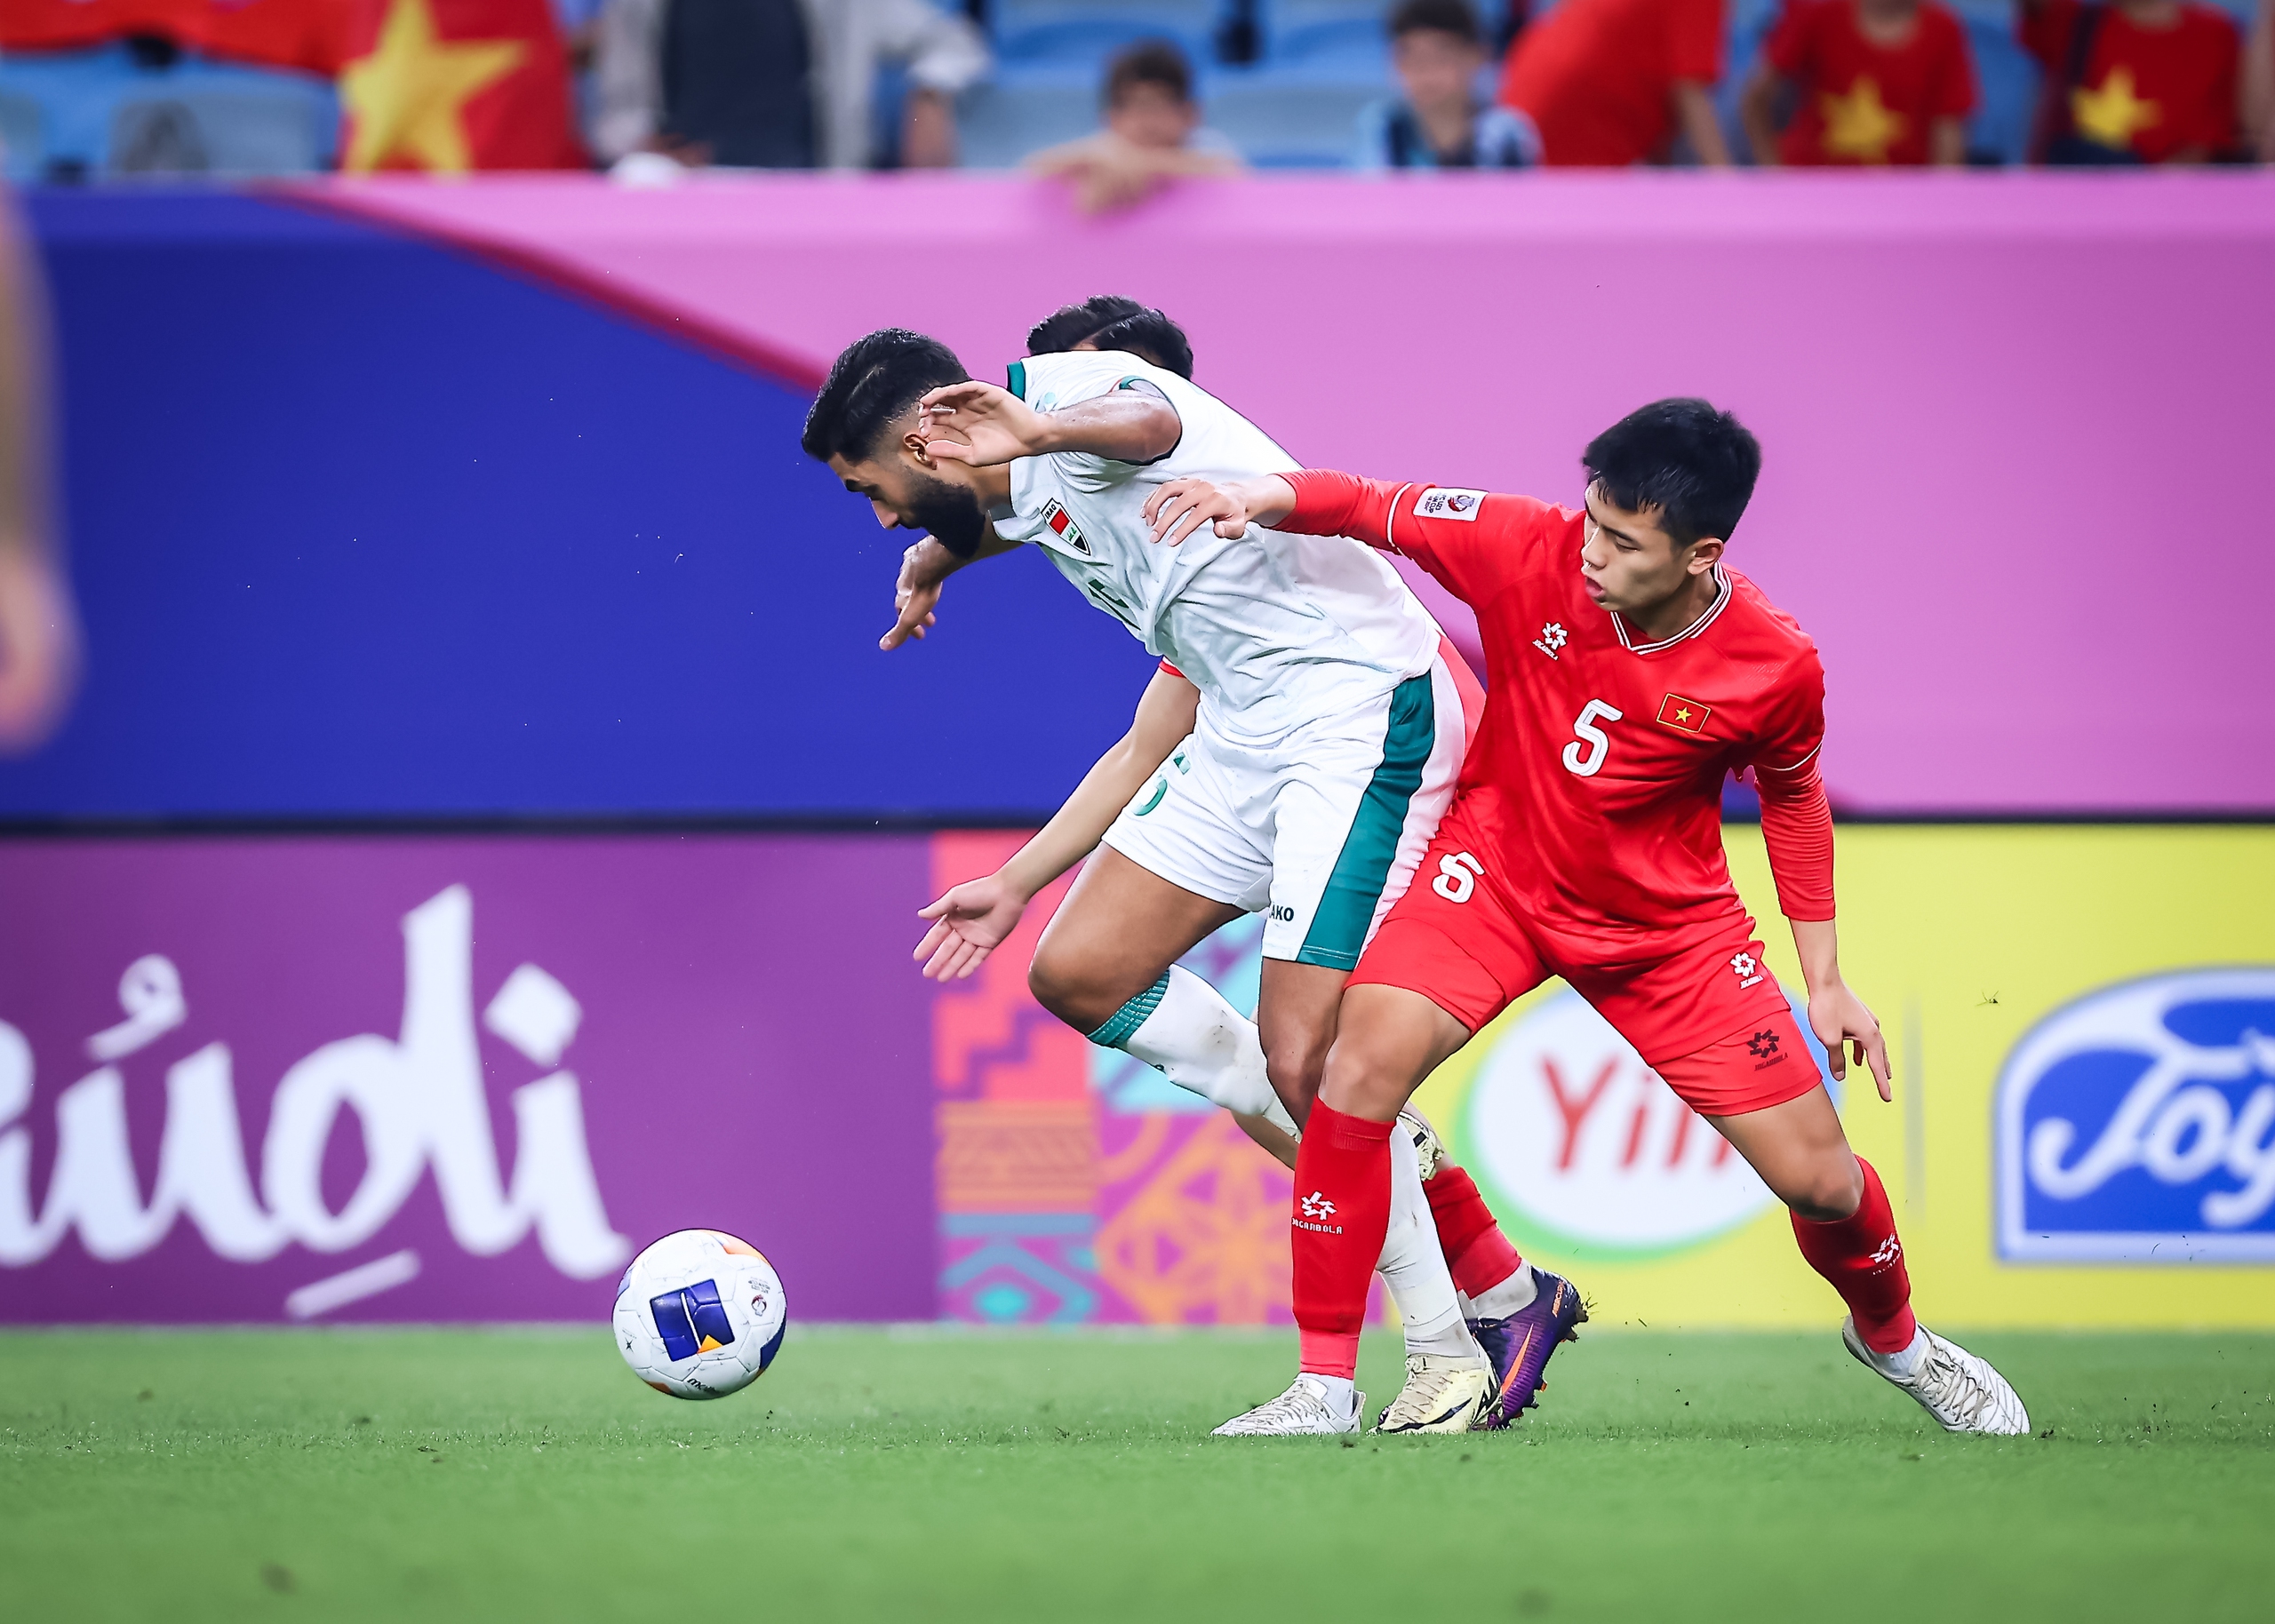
<point x="1294" y="755"/>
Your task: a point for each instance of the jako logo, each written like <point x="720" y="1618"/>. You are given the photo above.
<point x="1591" y="1150"/>
<point x="2137" y="1125"/>
<point x="418" y="1098"/>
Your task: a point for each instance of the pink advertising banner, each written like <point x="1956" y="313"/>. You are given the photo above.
<point x="423" y="1078"/>
<point x="1987" y="400"/>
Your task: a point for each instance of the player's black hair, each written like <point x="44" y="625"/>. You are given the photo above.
<point x="1694" y="465"/>
<point x="876" y="379"/>
<point x="1110" y="322"/>
<point x="1454" y="17"/>
<point x="1149" y="62"/>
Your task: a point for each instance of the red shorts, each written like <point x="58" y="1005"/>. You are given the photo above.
<point x="1707" y="1016"/>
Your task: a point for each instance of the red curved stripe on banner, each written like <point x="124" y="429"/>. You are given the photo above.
<point x="663" y="317"/>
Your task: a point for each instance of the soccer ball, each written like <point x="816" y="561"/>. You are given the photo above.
<point x="700" y="1315"/>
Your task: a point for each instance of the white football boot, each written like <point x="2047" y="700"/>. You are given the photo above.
<point x="1303" y="1411"/>
<point x="1440" y="1395"/>
<point x="1961" y="1391"/>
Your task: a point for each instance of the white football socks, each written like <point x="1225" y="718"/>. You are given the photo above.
<point x="1414" y="1267"/>
<point x="1340" y="1393"/>
<point x="1513" y="1295"/>
<point x="1198" y="1042"/>
<point x="1904" y="1364"/>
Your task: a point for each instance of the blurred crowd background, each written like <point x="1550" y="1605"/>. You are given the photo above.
<point x="1122" y="95"/>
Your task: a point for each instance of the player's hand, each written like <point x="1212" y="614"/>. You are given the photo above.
<point x="916" y="595"/>
<point x="1183" y="506"/>
<point x="980" y="424"/>
<point x="968" y="924"/>
<point x="1843" y="1023"/>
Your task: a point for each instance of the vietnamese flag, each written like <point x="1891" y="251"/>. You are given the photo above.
<point x="304" y="34"/>
<point x="1686" y="714"/>
<point x="447" y="86"/>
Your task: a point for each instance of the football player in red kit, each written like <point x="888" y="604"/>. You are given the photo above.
<point x="1631" y="670"/>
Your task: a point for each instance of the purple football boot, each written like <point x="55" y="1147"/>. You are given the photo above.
<point x="1519" y="1346"/>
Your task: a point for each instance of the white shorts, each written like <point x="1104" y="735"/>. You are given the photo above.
<point x="1324" y="830"/>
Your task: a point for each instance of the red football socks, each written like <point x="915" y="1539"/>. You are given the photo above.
<point x="1479" y="1255"/>
<point x="1341" y="1219"/>
<point x="1862" y="1258"/>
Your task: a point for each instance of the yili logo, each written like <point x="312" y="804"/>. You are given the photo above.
<point x="2137" y="1125"/>
<point x="1589" y="1148"/>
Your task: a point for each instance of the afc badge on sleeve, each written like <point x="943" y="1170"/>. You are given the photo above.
<point x="1441" y="503"/>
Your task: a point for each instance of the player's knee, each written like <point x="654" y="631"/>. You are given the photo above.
<point x="1294" y="1062"/>
<point x="1063" y="984"/>
<point x="1825" y="1193"/>
<point x="1361" y="1082"/>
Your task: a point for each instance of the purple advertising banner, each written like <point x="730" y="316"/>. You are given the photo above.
<point x="461" y="1077"/>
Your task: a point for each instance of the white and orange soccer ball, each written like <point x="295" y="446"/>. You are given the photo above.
<point x="700" y="1315"/>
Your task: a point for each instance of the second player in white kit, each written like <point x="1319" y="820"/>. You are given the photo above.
<point x="1330" y="728"/>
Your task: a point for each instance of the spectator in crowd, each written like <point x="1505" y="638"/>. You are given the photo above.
<point x="1610" y="82"/>
<point x="1440" y="121"/>
<point x="39" y="628"/>
<point x="1109" y="322"/>
<point x="776" y="84"/>
<point x="2259" y="85"/>
<point x="1869" y="81"/>
<point x="2134" y="81"/>
<point x="1152" y="133"/>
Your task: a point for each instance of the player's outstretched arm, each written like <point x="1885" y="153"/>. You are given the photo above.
<point x="1837" y="1016"/>
<point x="974" y="917"/>
<point x="924" y="570"/>
<point x="1183" y="506"/>
<point x="984" y="424"/>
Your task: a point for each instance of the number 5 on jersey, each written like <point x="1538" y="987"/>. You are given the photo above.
<point x="1585" y="754"/>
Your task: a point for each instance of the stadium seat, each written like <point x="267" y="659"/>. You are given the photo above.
<point x="2007" y="80"/>
<point x="1326" y="36"/>
<point x="1288" y="120"/>
<point x="1072" y="34"/>
<point x="1000" y="122"/>
<point x="23" y="140"/>
<point x="243" y="131"/>
<point x="195" y="117"/>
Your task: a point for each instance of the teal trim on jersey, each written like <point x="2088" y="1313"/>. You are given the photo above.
<point x="1016" y="379"/>
<point x="1131" y="1016"/>
<point x="1362" y="868"/>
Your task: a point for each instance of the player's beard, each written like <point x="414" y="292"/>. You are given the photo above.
<point x="951" y="512"/>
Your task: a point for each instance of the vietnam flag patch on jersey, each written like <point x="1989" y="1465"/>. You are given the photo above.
<point x="1063" y="526"/>
<point x="1685" y="715"/>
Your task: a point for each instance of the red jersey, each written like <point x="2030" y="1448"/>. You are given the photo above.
<point x="2150" y="92"/>
<point x="1595" y="77"/>
<point x="1861" y="102"/>
<point x="1597" y="775"/>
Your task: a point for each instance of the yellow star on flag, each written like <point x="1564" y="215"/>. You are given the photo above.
<point x="407" y="95"/>
<point x="2113" y="114"/>
<point x="1859" y="125"/>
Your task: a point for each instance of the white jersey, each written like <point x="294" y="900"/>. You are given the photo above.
<point x="1276" y="629"/>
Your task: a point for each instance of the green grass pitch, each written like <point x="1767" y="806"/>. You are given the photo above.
<point x="927" y="1475"/>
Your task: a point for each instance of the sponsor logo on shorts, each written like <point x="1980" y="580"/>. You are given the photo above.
<point x="1764" y="1048"/>
<point x="1282" y="914"/>
<point x="1160" y="788"/>
<point x="2137" y="1125"/>
<point x="1450" y="503"/>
